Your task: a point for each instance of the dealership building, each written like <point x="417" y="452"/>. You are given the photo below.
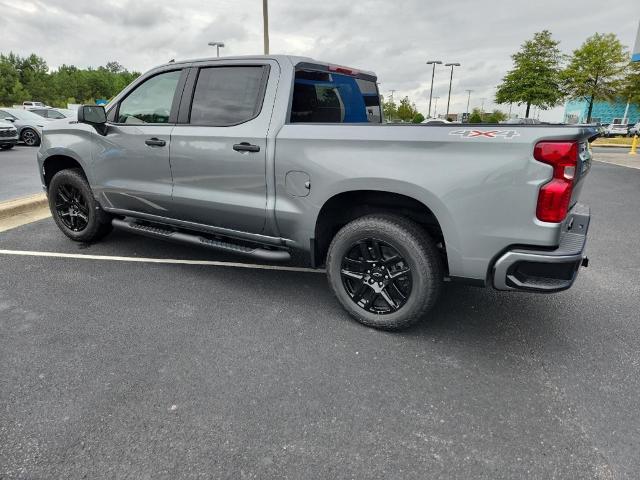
<point x="575" y="111"/>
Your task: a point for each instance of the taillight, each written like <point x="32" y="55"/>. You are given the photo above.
<point x="554" y="196"/>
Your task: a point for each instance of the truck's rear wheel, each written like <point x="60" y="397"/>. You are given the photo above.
<point x="74" y="209"/>
<point x="385" y="271"/>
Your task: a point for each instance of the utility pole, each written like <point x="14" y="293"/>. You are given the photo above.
<point x="450" y="82"/>
<point x="433" y="73"/>
<point x="482" y="106"/>
<point x="265" y="23"/>
<point x="468" y="99"/>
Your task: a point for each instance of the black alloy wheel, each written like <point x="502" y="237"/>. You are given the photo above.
<point x="376" y="276"/>
<point x="71" y="207"/>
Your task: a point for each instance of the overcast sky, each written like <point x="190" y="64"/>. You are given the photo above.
<point x="393" y="38"/>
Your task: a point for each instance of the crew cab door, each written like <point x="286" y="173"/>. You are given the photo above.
<point x="131" y="162"/>
<point x="219" y="146"/>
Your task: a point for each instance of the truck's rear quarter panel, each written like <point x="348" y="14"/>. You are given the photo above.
<point x="482" y="190"/>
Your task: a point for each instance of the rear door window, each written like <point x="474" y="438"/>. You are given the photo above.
<point x="322" y="97"/>
<point x="226" y="96"/>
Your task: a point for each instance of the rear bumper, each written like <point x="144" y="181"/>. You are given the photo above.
<point x="546" y="271"/>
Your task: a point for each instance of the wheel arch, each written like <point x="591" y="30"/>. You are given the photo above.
<point x="343" y="207"/>
<point x="56" y="163"/>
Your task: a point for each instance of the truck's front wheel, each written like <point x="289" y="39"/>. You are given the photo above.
<point x="74" y="209"/>
<point x="385" y="271"/>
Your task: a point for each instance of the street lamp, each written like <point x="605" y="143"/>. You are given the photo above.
<point x="435" y="108"/>
<point x="265" y="25"/>
<point x="468" y="98"/>
<point x="433" y="72"/>
<point x="450" y="82"/>
<point x="217" y="45"/>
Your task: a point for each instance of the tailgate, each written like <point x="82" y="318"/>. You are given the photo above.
<point x="582" y="169"/>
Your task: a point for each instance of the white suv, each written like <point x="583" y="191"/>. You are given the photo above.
<point x="616" y="129"/>
<point x="8" y="135"/>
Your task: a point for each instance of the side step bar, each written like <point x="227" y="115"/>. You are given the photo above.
<point x="158" y="231"/>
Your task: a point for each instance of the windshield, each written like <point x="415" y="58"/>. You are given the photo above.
<point x="26" y="115"/>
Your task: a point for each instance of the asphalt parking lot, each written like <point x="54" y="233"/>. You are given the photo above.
<point x="120" y="369"/>
<point x="18" y="172"/>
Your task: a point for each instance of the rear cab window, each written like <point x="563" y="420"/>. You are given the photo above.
<point x="332" y="97"/>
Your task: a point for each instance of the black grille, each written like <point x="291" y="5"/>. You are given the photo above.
<point x="8" y="133"/>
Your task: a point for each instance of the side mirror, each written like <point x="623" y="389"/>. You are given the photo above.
<point x="95" y="116"/>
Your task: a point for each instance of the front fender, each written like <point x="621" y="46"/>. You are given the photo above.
<point x="68" y="140"/>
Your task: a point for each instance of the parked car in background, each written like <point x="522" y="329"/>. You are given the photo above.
<point x="8" y="135"/>
<point x="50" y="113"/>
<point x="31" y="104"/>
<point x="521" y="121"/>
<point x="28" y="124"/>
<point x="435" y="121"/>
<point x="634" y="129"/>
<point x="616" y="129"/>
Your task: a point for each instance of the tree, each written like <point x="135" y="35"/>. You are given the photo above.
<point x="631" y="84"/>
<point x="596" y="70"/>
<point x="390" y="109"/>
<point x="536" y="75"/>
<point x="28" y="78"/>
<point x="418" y="118"/>
<point x="406" y="110"/>
<point x="476" y="116"/>
<point x="496" y="116"/>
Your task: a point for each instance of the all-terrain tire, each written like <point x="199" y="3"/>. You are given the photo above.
<point x="70" y="201"/>
<point x="387" y="234"/>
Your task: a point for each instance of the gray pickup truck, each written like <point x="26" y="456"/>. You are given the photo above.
<point x="264" y="156"/>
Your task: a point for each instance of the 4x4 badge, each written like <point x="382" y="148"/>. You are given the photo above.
<point x="485" y="133"/>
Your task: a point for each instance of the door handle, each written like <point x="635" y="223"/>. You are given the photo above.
<point x="246" y="147"/>
<point x="155" y="142"/>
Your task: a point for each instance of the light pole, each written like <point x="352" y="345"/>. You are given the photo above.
<point x="217" y="45"/>
<point x="482" y="105"/>
<point x="391" y="101"/>
<point x="468" y="99"/>
<point x="265" y="25"/>
<point x="433" y="73"/>
<point x="435" y="108"/>
<point x="450" y="82"/>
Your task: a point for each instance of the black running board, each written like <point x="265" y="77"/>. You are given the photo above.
<point x="227" y="245"/>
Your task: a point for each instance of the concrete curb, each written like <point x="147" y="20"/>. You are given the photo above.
<point x="22" y="205"/>
<point x="610" y="145"/>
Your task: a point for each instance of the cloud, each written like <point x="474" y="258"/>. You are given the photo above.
<point x="394" y="39"/>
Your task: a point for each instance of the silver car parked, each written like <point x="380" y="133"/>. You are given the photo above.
<point x="29" y="124"/>
<point x="8" y="135"/>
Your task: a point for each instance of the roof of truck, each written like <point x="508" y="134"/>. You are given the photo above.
<point x="292" y="59"/>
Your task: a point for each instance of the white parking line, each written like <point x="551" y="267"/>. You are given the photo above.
<point x="27" y="253"/>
